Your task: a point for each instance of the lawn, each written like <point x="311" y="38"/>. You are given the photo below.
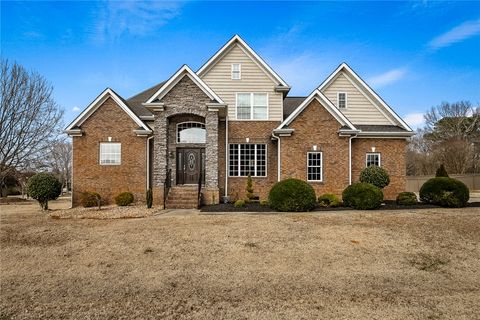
<point x="411" y="264"/>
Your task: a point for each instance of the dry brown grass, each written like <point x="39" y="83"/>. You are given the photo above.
<point x="343" y="265"/>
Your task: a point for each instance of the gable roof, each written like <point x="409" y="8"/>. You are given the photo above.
<point x="184" y="71"/>
<point x="345" y="67"/>
<point x="136" y="102"/>
<point x="253" y="55"/>
<point x="92" y="107"/>
<point x="327" y="104"/>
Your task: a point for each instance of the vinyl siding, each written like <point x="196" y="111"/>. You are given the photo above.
<point x="359" y="109"/>
<point x="253" y="79"/>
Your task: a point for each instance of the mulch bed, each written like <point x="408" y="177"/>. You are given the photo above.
<point x="256" y="207"/>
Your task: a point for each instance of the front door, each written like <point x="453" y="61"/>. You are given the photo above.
<point x="189" y="165"/>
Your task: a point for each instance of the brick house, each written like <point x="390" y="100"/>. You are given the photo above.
<point x="208" y="130"/>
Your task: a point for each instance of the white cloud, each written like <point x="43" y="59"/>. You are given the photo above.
<point x="75" y="109"/>
<point x="459" y="33"/>
<point x="387" y="78"/>
<point x="414" y="119"/>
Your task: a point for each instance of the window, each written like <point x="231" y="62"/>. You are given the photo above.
<point x="191" y="132"/>
<point x="236" y="71"/>
<point x="110" y="153"/>
<point x="314" y="166"/>
<point x="252" y="106"/>
<point x="247" y="159"/>
<point x="373" y="159"/>
<point x="342" y="100"/>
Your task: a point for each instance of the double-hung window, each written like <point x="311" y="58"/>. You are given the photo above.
<point x="373" y="159"/>
<point x="247" y="159"/>
<point x="342" y="100"/>
<point x="110" y="153"/>
<point x="252" y="106"/>
<point x="314" y="166"/>
<point x="236" y="71"/>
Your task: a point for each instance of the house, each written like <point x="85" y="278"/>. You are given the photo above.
<point x="208" y="130"/>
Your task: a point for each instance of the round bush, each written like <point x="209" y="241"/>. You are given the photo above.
<point x="328" y="200"/>
<point x="239" y="204"/>
<point x="445" y="192"/>
<point x="407" y="198"/>
<point x="292" y="195"/>
<point x="375" y="175"/>
<point x="43" y="187"/>
<point x="124" y="199"/>
<point x="90" y="199"/>
<point x="362" y="196"/>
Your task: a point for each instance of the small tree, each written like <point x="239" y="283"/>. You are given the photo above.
<point x="375" y="175"/>
<point x="149" y="198"/>
<point x="249" y="188"/>
<point x="441" y="171"/>
<point x="43" y="187"/>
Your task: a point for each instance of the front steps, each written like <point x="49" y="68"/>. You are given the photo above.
<point x="182" y="197"/>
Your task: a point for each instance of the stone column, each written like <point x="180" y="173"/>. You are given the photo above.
<point x="160" y="157"/>
<point x="211" y="191"/>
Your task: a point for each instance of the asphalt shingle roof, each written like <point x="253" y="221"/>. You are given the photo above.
<point x="135" y="102"/>
<point x="290" y="104"/>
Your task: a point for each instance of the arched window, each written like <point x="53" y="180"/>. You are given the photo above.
<point x="191" y="132"/>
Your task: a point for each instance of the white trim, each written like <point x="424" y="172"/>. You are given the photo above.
<point x="100" y="153"/>
<point x="338" y="100"/>
<point x="198" y="122"/>
<point x="236" y="39"/>
<point x="333" y="110"/>
<point x="251" y="106"/>
<point x="92" y="107"/>
<point x="239" y="160"/>
<point x="366" y="87"/>
<point x="226" y="157"/>
<point x="373" y="153"/>
<point x="321" y="166"/>
<point x="184" y="70"/>
<point x="239" y="71"/>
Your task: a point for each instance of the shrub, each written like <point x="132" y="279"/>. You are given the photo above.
<point x="239" y="204"/>
<point x="91" y="199"/>
<point x="328" y="200"/>
<point x="124" y="199"/>
<point x="375" y="175"/>
<point x="441" y="172"/>
<point x="445" y="192"/>
<point x="362" y="196"/>
<point x="407" y="198"/>
<point x="292" y="195"/>
<point x="249" y="188"/>
<point x="264" y="203"/>
<point x="43" y="187"/>
<point x="149" y="198"/>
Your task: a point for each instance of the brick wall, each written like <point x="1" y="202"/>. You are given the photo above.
<point x="109" y="120"/>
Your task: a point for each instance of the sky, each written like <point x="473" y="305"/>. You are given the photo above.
<point x="415" y="54"/>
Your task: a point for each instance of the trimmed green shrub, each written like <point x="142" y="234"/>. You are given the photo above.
<point x="445" y="192"/>
<point x="239" y="204"/>
<point x="406" y="198"/>
<point x="149" y="198"/>
<point x="375" y="175"/>
<point x="292" y="195"/>
<point x="362" y="196"/>
<point x="441" y="172"/>
<point x="249" y="189"/>
<point x="124" y="199"/>
<point x="328" y="200"/>
<point x="264" y="203"/>
<point x="44" y="187"/>
<point x="91" y="199"/>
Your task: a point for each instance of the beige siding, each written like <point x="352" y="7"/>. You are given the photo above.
<point x="254" y="79"/>
<point x="359" y="109"/>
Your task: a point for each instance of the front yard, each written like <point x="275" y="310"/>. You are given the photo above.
<point x="410" y="264"/>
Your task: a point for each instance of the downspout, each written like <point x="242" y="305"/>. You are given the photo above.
<point x="148" y="162"/>
<point x="71" y="179"/>
<point x="350" y="158"/>
<point x="226" y="157"/>
<point x="278" y="155"/>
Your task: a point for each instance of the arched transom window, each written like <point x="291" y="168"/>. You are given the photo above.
<point x="191" y="132"/>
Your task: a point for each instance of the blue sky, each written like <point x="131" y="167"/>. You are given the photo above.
<point x="415" y="54"/>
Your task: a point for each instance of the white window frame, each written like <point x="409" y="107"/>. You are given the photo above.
<point x="338" y="100"/>
<point x="373" y="153"/>
<point x="100" y="158"/>
<point x="234" y="71"/>
<point x="239" y="160"/>
<point x="321" y="165"/>
<point x="177" y="139"/>
<point x="251" y="106"/>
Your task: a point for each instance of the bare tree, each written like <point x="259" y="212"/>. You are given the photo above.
<point x="59" y="161"/>
<point x="29" y="118"/>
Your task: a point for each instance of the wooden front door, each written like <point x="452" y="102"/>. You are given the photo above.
<point x="190" y="165"/>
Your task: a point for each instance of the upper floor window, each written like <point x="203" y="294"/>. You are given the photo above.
<point x="252" y="106"/>
<point x="342" y="100"/>
<point x="247" y="159"/>
<point x="373" y="159"/>
<point x="110" y="153"/>
<point x="314" y="166"/>
<point x="236" y="71"/>
<point x="191" y="132"/>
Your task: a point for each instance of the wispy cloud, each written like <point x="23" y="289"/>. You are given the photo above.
<point x="135" y="18"/>
<point x="459" y="33"/>
<point x="414" y="120"/>
<point x="387" y="78"/>
<point x="75" y="109"/>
